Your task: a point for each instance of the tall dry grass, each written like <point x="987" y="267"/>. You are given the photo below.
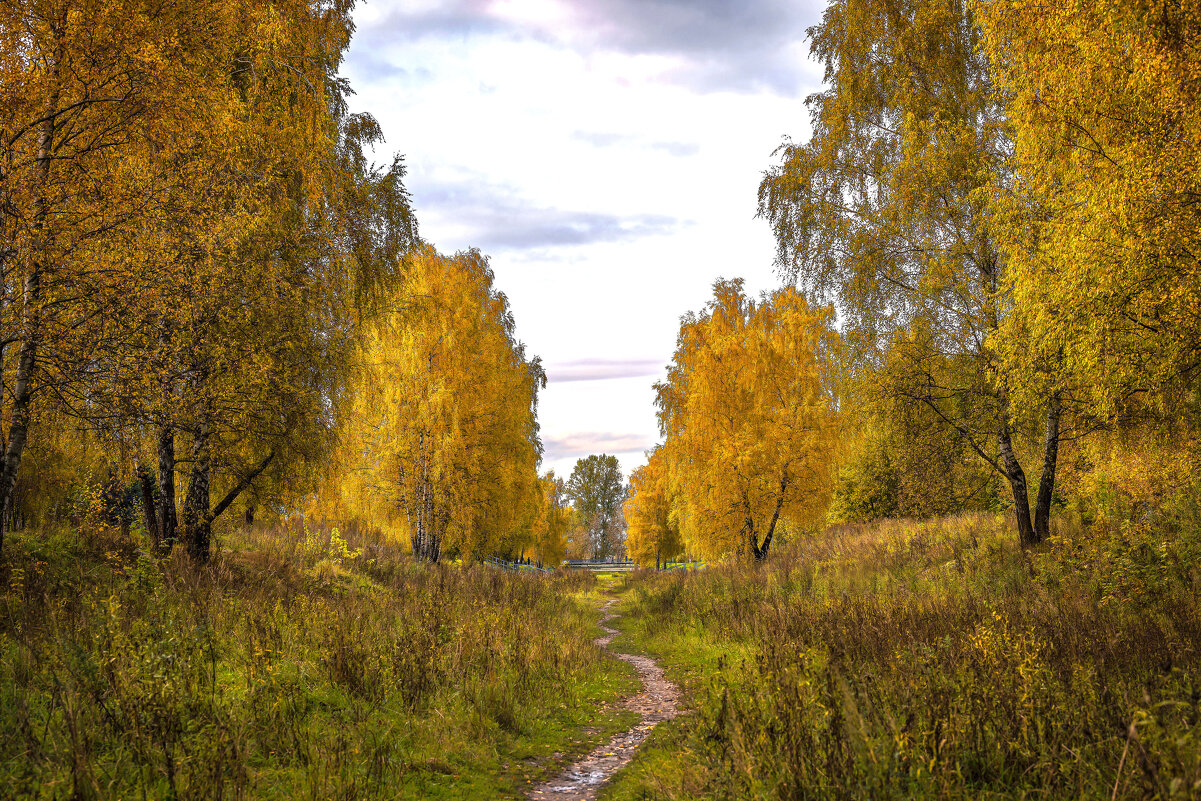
<point x="936" y="659"/>
<point x="299" y="664"/>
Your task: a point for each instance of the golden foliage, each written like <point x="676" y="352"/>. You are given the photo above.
<point x="548" y="531"/>
<point x="750" y="418"/>
<point x="182" y="201"/>
<point x="652" y="532"/>
<point x="887" y="210"/>
<point x="1100" y="216"/>
<point x="440" y="436"/>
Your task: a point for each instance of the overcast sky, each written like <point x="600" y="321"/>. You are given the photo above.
<point x="605" y="154"/>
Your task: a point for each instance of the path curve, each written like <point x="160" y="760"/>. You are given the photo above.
<point x="656" y="702"/>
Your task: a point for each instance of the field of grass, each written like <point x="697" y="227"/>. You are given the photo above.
<point x="929" y="660"/>
<point x="897" y="660"/>
<point x="296" y="665"/>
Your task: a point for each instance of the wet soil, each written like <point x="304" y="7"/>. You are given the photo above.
<point x="655" y="703"/>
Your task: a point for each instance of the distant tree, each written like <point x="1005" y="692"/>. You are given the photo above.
<point x="551" y="522"/>
<point x="652" y="532"/>
<point x="597" y="490"/>
<point x="579" y="536"/>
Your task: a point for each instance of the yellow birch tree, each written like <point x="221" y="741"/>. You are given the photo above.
<point x="441" y="438"/>
<point x="552" y="520"/>
<point x="886" y="210"/>
<point x="1101" y="217"/>
<point x="749" y="417"/>
<point x="652" y="533"/>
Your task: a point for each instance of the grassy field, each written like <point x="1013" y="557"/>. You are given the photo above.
<point x="898" y="660"/>
<point x="929" y="660"/>
<point x="297" y="665"/>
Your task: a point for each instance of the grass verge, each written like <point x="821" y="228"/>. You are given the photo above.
<point x="294" y="665"/>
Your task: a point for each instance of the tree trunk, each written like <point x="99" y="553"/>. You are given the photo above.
<point x="168" y="520"/>
<point x="759" y="550"/>
<point x="146" y="480"/>
<point x="1046" y="483"/>
<point x="31" y="323"/>
<point x="22" y="394"/>
<point x="433" y="541"/>
<point x="417" y="535"/>
<point x="1017" y="482"/>
<point x="426" y="534"/>
<point x="418" y="513"/>
<point x="196" y="520"/>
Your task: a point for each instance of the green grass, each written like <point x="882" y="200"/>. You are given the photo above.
<point x="296" y="665"/>
<point x="898" y="660"/>
<point x="930" y="660"/>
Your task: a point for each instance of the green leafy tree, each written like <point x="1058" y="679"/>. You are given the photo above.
<point x="596" y="489"/>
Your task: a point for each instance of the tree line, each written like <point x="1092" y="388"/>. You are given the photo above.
<point x="212" y="300"/>
<point x="997" y="203"/>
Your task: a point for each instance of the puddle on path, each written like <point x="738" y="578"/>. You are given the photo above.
<point x="655" y="703"/>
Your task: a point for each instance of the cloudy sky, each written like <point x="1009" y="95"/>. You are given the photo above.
<point x="606" y="155"/>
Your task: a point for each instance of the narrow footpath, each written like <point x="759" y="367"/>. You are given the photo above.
<point x="656" y="703"/>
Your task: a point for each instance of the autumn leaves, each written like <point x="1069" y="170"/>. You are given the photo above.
<point x="749" y="418"/>
<point x="439" y="439"/>
<point x="191" y="237"/>
<point x="994" y="196"/>
<point x="205" y="285"/>
<point x="999" y="199"/>
<point x="212" y="300"/>
<point x="1102" y="222"/>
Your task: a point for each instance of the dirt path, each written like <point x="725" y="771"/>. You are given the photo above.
<point x="656" y="702"/>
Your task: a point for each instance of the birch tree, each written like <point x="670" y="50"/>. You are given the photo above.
<point x="749" y="417"/>
<point x="441" y="436"/>
<point x="886" y="211"/>
<point x="652" y="531"/>
<point x="1101" y="217"/>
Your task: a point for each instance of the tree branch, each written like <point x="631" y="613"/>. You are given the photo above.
<point x="237" y="489"/>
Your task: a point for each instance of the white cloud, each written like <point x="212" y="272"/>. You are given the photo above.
<point x="578" y="444"/>
<point x="602" y="369"/>
<point x="606" y="155"/>
<point x="705" y="45"/>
